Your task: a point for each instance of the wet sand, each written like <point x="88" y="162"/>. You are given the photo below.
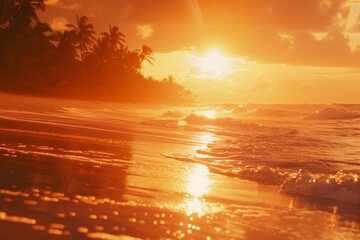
<point x="90" y="176"/>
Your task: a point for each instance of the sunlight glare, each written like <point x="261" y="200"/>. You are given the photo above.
<point x="203" y="140"/>
<point x="209" y="114"/>
<point x="198" y="181"/>
<point x="198" y="185"/>
<point x="213" y="64"/>
<point x="195" y="206"/>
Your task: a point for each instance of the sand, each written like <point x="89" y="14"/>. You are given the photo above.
<point x="69" y="172"/>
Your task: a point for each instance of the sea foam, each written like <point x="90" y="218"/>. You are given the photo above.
<point x="341" y="186"/>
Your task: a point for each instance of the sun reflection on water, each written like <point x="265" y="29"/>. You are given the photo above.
<point x="198" y="181"/>
<point x="203" y="140"/>
<point x="198" y="184"/>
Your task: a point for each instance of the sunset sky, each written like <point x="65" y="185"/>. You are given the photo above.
<point x="260" y="51"/>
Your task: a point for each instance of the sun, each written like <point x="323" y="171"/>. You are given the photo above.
<point x="214" y="64"/>
<point x="211" y="114"/>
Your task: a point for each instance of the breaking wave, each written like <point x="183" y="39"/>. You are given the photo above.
<point x="331" y="113"/>
<point x="339" y="186"/>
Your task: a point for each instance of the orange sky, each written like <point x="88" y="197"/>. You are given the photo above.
<point x="276" y="51"/>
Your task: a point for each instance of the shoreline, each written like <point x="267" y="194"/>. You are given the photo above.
<point x="82" y="174"/>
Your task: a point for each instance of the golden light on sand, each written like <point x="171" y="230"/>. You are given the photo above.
<point x="214" y="64"/>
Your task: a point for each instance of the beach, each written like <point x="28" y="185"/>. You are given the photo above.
<point x="98" y="170"/>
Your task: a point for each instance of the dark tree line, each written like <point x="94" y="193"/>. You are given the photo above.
<point x="77" y="62"/>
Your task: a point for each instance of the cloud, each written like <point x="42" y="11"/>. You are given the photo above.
<point x="269" y="31"/>
<point x="297" y="48"/>
<point x="58" y="3"/>
<point x="144" y="31"/>
<point x="52" y="2"/>
<point x="58" y="24"/>
<point x="74" y="6"/>
<point x="272" y="31"/>
<point x="314" y="15"/>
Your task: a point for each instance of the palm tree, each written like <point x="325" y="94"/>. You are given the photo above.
<point x="43" y="33"/>
<point x="66" y="63"/>
<point x="99" y="53"/>
<point x="147" y="54"/>
<point x="132" y="60"/>
<point x="84" y="33"/>
<point x="37" y="62"/>
<point x="7" y="8"/>
<point x="25" y="14"/>
<point x="66" y="44"/>
<point x="42" y="39"/>
<point x="114" y="38"/>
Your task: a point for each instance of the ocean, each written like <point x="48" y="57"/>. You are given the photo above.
<point x="95" y="170"/>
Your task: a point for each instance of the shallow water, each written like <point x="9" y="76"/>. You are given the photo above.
<point x="89" y="170"/>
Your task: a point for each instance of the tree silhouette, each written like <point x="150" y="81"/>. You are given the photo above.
<point x="26" y="15"/>
<point x="43" y="34"/>
<point x="37" y="61"/>
<point x="135" y="58"/>
<point x="114" y="38"/>
<point x="7" y="11"/>
<point x="84" y="33"/>
<point x="66" y="44"/>
<point x="73" y="63"/>
<point x="147" y="54"/>
<point x="99" y="53"/>
<point x="66" y="60"/>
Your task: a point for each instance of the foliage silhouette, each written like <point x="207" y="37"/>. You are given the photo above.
<point x="84" y="33"/>
<point x="114" y="38"/>
<point x="75" y="63"/>
<point x="25" y="13"/>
